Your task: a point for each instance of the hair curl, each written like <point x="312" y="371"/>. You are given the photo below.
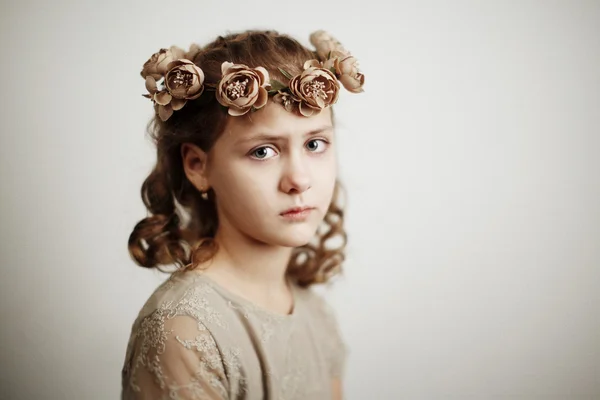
<point x="181" y="227"/>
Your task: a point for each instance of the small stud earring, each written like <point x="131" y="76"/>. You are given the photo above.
<point x="203" y="194"/>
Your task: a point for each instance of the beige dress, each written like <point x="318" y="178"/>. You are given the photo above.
<point x="194" y="339"/>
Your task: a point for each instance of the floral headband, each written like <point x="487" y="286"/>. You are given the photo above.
<point x="172" y="79"/>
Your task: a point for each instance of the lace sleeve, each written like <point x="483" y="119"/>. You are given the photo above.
<point x="176" y="358"/>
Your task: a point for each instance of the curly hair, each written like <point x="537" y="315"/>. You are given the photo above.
<point x="181" y="227"/>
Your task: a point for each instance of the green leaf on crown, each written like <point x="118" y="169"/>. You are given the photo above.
<point x="276" y="85"/>
<point x="286" y="74"/>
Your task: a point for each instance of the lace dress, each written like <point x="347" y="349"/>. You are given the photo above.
<point x="193" y="339"/>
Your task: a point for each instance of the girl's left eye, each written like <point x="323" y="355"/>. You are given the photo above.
<point x="324" y="146"/>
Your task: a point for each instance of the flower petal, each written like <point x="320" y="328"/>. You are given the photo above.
<point x="306" y="110"/>
<point x="326" y="45"/>
<point x="221" y="97"/>
<point x="161" y="66"/>
<point x="252" y="89"/>
<point x="311" y="63"/>
<point x="194" y="97"/>
<point x="240" y="102"/>
<point x="263" y="96"/>
<point x="151" y="84"/>
<point x="225" y="66"/>
<point x="353" y="85"/>
<point x="177" y="104"/>
<point x="320" y="102"/>
<point x="240" y="67"/>
<point x="338" y="54"/>
<point x="177" y="52"/>
<point x="265" y="75"/>
<point x="236" y="112"/>
<point x="289" y="106"/>
<point x="199" y="72"/>
<point x="192" y="52"/>
<point x="330" y="63"/>
<point x="173" y="64"/>
<point x="163" y="98"/>
<point x="318" y="36"/>
<point x="165" y="112"/>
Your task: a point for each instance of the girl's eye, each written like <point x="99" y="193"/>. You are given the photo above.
<point x="261" y="153"/>
<point x="322" y="148"/>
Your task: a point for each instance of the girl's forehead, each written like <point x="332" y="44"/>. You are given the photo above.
<point x="274" y="120"/>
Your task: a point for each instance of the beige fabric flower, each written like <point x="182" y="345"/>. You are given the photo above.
<point x="340" y="60"/>
<point x="315" y="88"/>
<point x="325" y="43"/>
<point x="347" y="70"/>
<point x="156" y="66"/>
<point x="183" y="81"/>
<point x="192" y="52"/>
<point x="286" y="100"/>
<point x="242" y="88"/>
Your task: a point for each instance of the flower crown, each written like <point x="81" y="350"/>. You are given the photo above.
<point x="172" y="79"/>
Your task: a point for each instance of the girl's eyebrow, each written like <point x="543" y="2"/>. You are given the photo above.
<point x="276" y="138"/>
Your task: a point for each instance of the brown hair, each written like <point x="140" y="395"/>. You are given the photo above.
<point x="181" y="227"/>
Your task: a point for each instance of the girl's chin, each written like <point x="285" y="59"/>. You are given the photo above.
<point x="294" y="236"/>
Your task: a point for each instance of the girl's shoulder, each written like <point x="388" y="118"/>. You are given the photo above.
<point x="314" y="298"/>
<point x="185" y="294"/>
<point x="172" y="349"/>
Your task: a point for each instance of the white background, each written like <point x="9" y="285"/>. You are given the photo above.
<point x="471" y="163"/>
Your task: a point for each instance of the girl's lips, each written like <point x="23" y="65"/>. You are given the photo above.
<point x="297" y="214"/>
<point x="297" y="210"/>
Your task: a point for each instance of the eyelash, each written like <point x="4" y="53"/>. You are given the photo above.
<point x="269" y="147"/>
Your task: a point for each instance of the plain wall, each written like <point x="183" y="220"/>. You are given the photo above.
<point x="471" y="162"/>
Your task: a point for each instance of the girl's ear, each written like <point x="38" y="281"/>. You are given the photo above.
<point x="195" y="162"/>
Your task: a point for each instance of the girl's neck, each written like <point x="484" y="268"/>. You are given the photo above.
<point x="253" y="270"/>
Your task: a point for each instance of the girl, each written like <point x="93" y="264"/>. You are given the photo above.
<point x="243" y="198"/>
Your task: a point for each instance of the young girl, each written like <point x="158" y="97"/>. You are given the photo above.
<point x="243" y="200"/>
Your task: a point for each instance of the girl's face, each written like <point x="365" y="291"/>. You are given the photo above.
<point x="268" y="163"/>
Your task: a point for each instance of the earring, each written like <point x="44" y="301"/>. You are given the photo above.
<point x="204" y="195"/>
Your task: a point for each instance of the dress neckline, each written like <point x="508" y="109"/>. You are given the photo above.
<point x="240" y="300"/>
